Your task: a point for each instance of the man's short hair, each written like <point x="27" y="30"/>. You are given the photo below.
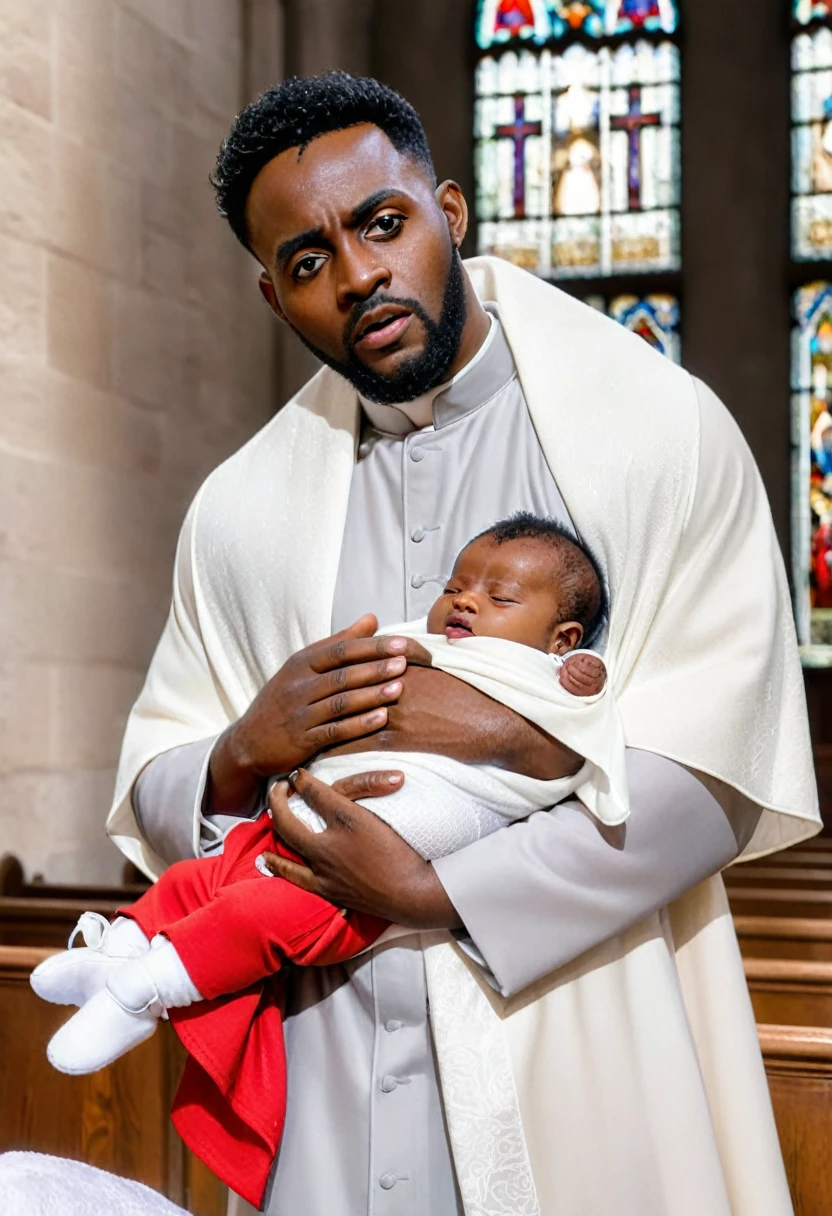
<point x="294" y="113"/>
<point x="579" y="572"/>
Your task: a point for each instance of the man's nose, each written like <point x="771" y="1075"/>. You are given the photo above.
<point x="360" y="274"/>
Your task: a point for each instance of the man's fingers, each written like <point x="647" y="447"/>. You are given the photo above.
<point x="357" y="675"/>
<point x="417" y="655"/>
<point x="348" y="704"/>
<point x="333" y="807"/>
<point x="343" y="652"/>
<point x="364" y="627"/>
<point x="369" y="785"/>
<point x="344" y="730"/>
<point x="288" y="827"/>
<point x="282" y="867"/>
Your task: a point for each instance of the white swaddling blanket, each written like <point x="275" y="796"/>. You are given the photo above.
<point x="445" y="805"/>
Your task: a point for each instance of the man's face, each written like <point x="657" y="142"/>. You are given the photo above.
<point x="361" y="260"/>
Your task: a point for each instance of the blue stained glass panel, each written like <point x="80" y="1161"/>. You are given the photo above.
<point x="625" y="16"/>
<point x="655" y="318"/>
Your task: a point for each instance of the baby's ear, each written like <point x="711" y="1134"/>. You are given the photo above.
<point x="567" y="636"/>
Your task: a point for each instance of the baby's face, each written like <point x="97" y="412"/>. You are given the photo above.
<point x="505" y="591"/>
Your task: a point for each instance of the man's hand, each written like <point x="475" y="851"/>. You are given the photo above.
<point x="358" y="862"/>
<point x="333" y="692"/>
<point x="439" y="713"/>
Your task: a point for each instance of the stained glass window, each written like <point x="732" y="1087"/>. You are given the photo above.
<point x="812" y="144"/>
<point x="578" y="165"/>
<point x="654" y="317"/>
<point x="812" y="470"/>
<point x="538" y="21"/>
<point x="812" y="333"/>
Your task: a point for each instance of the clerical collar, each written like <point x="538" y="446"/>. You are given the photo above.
<point x="490" y="370"/>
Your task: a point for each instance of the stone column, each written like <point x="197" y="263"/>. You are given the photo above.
<point x="135" y="356"/>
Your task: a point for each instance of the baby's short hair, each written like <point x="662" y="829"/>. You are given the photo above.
<point x="581" y="579"/>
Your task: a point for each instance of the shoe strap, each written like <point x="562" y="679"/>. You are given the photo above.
<point x="92" y="926"/>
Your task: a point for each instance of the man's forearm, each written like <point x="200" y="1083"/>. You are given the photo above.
<point x="439" y="713"/>
<point x="171" y="803"/>
<point x="167" y="799"/>
<point x="536" y="895"/>
<point x="233" y="787"/>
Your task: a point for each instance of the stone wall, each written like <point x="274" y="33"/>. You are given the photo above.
<point x="135" y="354"/>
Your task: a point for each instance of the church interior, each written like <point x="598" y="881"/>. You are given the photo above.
<point x="667" y="161"/>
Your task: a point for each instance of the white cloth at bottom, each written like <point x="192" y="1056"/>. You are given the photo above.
<point x="34" y="1184"/>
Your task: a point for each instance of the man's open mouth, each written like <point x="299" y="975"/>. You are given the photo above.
<point x="458" y="627"/>
<point x="382" y="327"/>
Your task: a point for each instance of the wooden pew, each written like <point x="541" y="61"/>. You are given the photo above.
<point x="782" y="902"/>
<point x="784" y="937"/>
<point x="116" y="1119"/>
<point x="40" y="914"/>
<point x="790" y="991"/>
<point x="798" y="1063"/>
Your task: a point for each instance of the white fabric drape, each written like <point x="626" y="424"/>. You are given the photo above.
<point x="614" y="1063"/>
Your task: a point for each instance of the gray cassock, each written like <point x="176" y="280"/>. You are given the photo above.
<point x="365" y="1131"/>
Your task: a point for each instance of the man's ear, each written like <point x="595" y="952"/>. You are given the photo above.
<point x="567" y="636"/>
<point x="452" y="201"/>
<point x="269" y="294"/>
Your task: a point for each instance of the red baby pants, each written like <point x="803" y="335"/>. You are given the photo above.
<point x="233" y="929"/>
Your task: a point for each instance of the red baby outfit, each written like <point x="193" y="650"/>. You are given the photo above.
<point x="233" y="929"/>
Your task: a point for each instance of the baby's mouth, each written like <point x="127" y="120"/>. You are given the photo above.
<point x="458" y="627"/>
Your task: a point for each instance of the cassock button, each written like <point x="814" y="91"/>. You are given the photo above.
<point x="387" y="1181"/>
<point x="417" y="535"/>
<point x="418" y="581"/>
<point x="393" y="1024"/>
<point x="388" y="1084"/>
<point x="417" y="454"/>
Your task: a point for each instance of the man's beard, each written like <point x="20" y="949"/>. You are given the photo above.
<point x="423" y="371"/>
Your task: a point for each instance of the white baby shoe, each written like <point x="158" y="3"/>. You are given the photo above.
<point x="74" y="976"/>
<point x="111" y="1023"/>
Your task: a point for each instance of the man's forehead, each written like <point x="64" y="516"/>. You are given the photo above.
<point x="325" y="181"/>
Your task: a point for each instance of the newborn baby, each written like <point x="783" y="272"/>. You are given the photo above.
<point x="204" y="941"/>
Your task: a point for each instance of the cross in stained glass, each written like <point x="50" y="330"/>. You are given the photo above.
<point x="633" y="122"/>
<point x="519" y="131"/>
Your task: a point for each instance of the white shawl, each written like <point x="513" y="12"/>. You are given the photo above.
<point x="616" y="1094"/>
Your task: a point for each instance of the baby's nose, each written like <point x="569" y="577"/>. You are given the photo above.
<point x="465" y="603"/>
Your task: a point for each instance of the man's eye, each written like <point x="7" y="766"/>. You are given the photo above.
<point x="308" y="266"/>
<point x="386" y="225"/>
